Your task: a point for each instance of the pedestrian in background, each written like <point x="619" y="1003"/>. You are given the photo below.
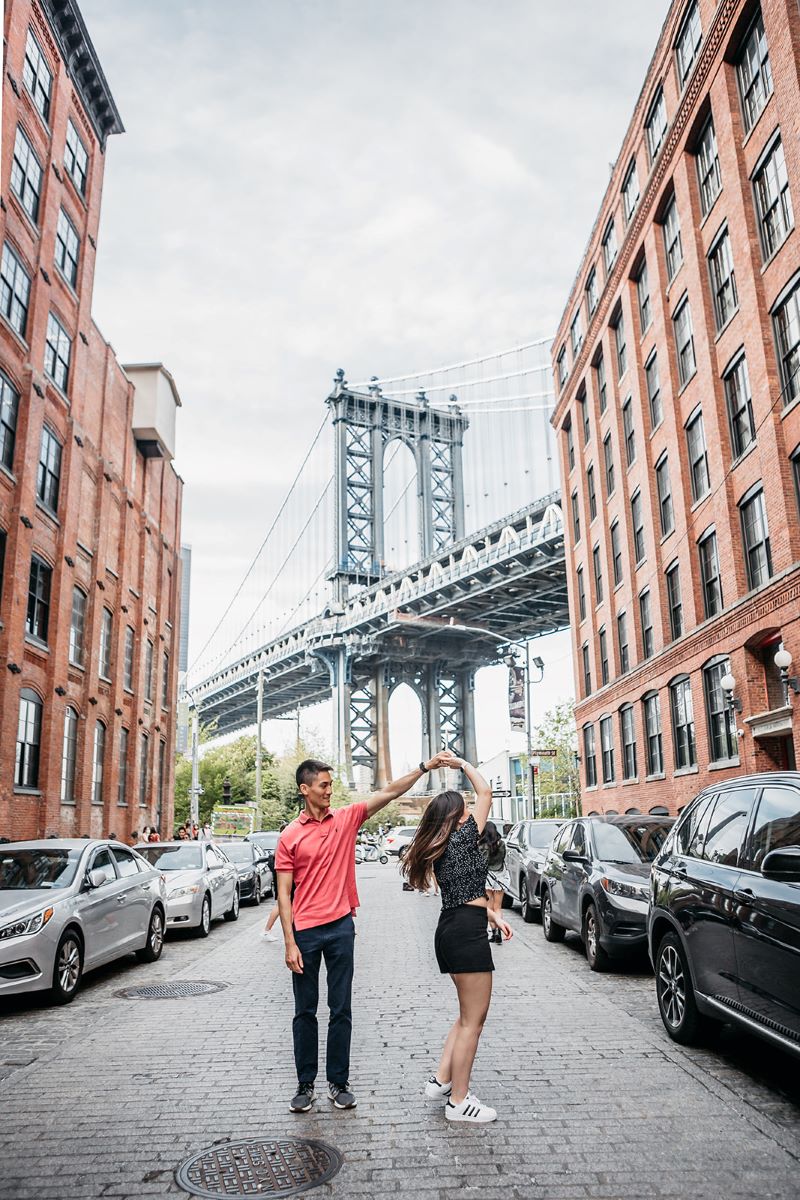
<point x="134" y="838"/>
<point x="446" y="846"/>
<point x="494" y="851"/>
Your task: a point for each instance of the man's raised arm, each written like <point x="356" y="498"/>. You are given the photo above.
<point x="398" y="787"/>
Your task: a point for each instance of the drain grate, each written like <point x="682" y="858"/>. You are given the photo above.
<point x="172" y="991"/>
<point x="259" y="1168"/>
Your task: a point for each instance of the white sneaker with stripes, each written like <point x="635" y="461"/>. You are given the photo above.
<point x="437" y="1091"/>
<point x="470" y="1109"/>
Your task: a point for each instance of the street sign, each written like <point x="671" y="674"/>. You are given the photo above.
<point x="500" y="793"/>
<point x="544" y="753"/>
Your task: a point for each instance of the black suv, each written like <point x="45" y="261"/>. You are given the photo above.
<point x="724" y="919"/>
<point x="596" y="881"/>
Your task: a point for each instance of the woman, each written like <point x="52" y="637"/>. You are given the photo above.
<point x="445" y="848"/>
<point x="494" y="851"/>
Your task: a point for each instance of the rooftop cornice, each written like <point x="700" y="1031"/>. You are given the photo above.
<point x="83" y="66"/>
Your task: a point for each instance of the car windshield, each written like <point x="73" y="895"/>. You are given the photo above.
<point x="406" y="832"/>
<point x="239" y="852"/>
<point x="540" y="836"/>
<point x="629" y="843"/>
<point x="30" y="870"/>
<point x="268" y="840"/>
<point x="174" y="858"/>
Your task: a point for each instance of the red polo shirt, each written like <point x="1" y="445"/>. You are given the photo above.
<point x="321" y="856"/>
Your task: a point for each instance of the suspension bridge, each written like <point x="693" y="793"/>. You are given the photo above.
<point x="433" y="543"/>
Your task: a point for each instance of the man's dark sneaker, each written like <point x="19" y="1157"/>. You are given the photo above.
<point x="341" y="1096"/>
<point x="303" y="1099"/>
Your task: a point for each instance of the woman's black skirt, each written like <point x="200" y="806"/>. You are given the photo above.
<point x="460" y="942"/>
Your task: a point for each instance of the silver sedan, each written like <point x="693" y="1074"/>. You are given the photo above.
<point x="67" y="906"/>
<point x="201" y="883"/>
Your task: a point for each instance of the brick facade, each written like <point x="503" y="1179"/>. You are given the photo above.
<point x="106" y="523"/>
<point x="743" y="466"/>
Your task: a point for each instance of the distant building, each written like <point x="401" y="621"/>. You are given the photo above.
<point x="182" y="728"/>
<point x="90" y="505"/>
<point x="677" y="365"/>
<point x="505" y="772"/>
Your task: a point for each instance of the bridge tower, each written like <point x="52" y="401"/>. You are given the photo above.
<point x="365" y="425"/>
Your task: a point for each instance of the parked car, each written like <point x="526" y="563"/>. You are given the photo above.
<point x="69" y="905"/>
<point x="268" y="840"/>
<point x="724" y="920"/>
<point x="201" y="883"/>
<point x="527" y="844"/>
<point x="398" y="840"/>
<point x="596" y="882"/>
<point x="253" y="866"/>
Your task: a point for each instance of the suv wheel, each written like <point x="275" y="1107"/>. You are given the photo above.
<point x="529" y="913"/>
<point x="596" y="956"/>
<point x="682" y="1019"/>
<point x="204" y="928"/>
<point x="553" y="932"/>
<point x="151" y="951"/>
<point x="68" y="968"/>
<point x="233" y="912"/>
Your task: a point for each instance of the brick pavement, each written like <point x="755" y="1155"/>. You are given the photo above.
<point x="105" y="1098"/>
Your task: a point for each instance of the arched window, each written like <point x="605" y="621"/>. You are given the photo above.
<point x="632" y="811"/>
<point x="659" y="811"/>
<point x="69" y="755"/>
<point x="29" y="736"/>
<point x="98" y="762"/>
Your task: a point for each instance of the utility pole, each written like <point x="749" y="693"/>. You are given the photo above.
<point x="259" y="722"/>
<point x="194" y="801"/>
<point x="531" y="788"/>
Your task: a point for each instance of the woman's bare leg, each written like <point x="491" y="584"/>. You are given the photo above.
<point x="474" y="994"/>
<point x="272" y="918"/>
<point x="444" y="1070"/>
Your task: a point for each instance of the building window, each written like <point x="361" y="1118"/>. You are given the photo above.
<point x="581" y="595"/>
<point x="67" y="249"/>
<point x="646" y="622"/>
<point x="619" y="341"/>
<point x="165" y="682"/>
<point x="38" y="615"/>
<point x="652" y="734"/>
<point x="2" y="559"/>
<point x="48" y="479"/>
<point x="576" y="518"/>
<point x="740" y="407"/>
<point x="583" y="408"/>
<point x="787" y="335"/>
<point x="26" y="176"/>
<point x="698" y="456"/>
<point x="684" y="342"/>
<point x="127" y="673"/>
<point x="98" y="759"/>
<point x="616" y="553"/>
<point x="710" y="577"/>
<point x="570" y="446"/>
<point x="57" y="352"/>
<point x="773" y="201"/>
<point x="795" y="471"/>
<point x="69" y="754"/>
<point x="653" y="390"/>
<point x="673" y="248"/>
<point x="637" y="524"/>
<point x="674" y="601"/>
<point x="589" y="756"/>
<point x="76" y="158"/>
<point x="561" y="366"/>
<point x="148" y="671"/>
<point x="106" y="625"/>
<point x="603" y="642"/>
<point x="629" y="432"/>
<point x="587" y="670"/>
<point x="607" y="749"/>
<point x="162" y="761"/>
<point x="608" y="461"/>
<point x="627" y="733"/>
<point x="598" y="575"/>
<point x="591" y="291"/>
<point x="77" y="627"/>
<point x="37" y="76"/>
<point x="630" y="191"/>
<point x="576" y="334"/>
<point x="9" y="405"/>
<point x="600" y="379"/>
<point x="656" y="124"/>
<point x="708" y="172"/>
<point x="723" y="280"/>
<point x="664" y="496"/>
<point x="591" y="491"/>
<point x="122" y="775"/>
<point x="643" y="295"/>
<point x="622" y="641"/>
<point x="688" y="43"/>
<point x="754" y="73"/>
<point x="755" y="536"/>
<point x="15" y="291"/>
<point x="610" y="246"/>
<point x="721" y="730"/>
<point x="682" y="714"/>
<point x="29" y="736"/>
<point x="144" y="748"/>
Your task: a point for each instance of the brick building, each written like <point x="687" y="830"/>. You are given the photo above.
<point x="677" y="366"/>
<point x="89" y="502"/>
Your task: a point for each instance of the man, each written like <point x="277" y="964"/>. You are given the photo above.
<point x="316" y="856"/>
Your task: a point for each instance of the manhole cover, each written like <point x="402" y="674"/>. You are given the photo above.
<point x="171" y="991"/>
<point x="259" y="1168"/>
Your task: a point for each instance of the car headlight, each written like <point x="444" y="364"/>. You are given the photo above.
<point x="191" y="890"/>
<point x="26" y="925"/>
<point x="630" y="891"/>
<point x="248" y="876"/>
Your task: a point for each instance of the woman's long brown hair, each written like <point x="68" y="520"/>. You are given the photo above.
<point x="439" y="820"/>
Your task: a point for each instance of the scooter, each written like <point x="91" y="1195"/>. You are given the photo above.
<point x="370" y="851"/>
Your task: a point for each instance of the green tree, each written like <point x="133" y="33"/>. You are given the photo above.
<point x="559" y="775"/>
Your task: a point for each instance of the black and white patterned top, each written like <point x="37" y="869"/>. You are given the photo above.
<point x="461" y="871"/>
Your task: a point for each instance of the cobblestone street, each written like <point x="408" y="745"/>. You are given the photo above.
<point x="106" y="1097"/>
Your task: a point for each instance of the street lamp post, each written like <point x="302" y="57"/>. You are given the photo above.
<point x="259" y="746"/>
<point x="195" y="792"/>
<point x="728" y="685"/>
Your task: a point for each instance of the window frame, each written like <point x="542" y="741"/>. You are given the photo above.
<point x="654" y="402"/>
<point x="77" y="171"/>
<point x="77" y="627"/>
<point x="592" y="295"/>
<point x="67" y="249"/>
<point x="710" y="583"/>
<point x="646" y="623"/>
<point x="756" y="579"/>
<point x="29" y="194"/>
<point x="672" y="575"/>
<point x="56" y="364"/>
<point x="719" y="721"/>
<point x="623" y="645"/>
<point x="42" y="97"/>
<point x="106" y="639"/>
<point x="724" y="293"/>
<point x="684" y="736"/>
<point x="709" y="175"/>
<point x="643" y="298"/>
<point x="9" y="413"/>
<point x="627" y="738"/>
<point x="767" y="205"/>
<point x="751" y="114"/>
<point x="658" y="108"/>
<point x="608" y="463"/>
<point x="607" y="748"/>
<point x="785" y="314"/>
<point x="69" y="755"/>
<point x="666" y="509"/>
<point x="697" y="455"/>
<point x="27" y="755"/>
<point x="597" y="573"/>
<point x="637" y="527"/>
<point x="739" y="405"/>
<point x="602" y="642"/>
<point x="682" y="349"/>
<point x="609" y="246"/>
<point x="630" y="203"/>
<point x="684" y="62"/>
<point x="15" y="290"/>
<point x="589" y="755"/>
<point x="37" y="618"/>
<point x="653" y="734"/>
<point x="48" y="475"/>
<point x="616" y="553"/>
<point x="581" y="586"/>
<point x="673" y="243"/>
<point x="98" y="762"/>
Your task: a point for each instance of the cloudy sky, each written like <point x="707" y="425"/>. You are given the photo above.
<point x="373" y="184"/>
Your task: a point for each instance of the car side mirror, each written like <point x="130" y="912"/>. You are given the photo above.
<point x="573" y="856"/>
<point x="214" y="866"/>
<point x="783" y="864"/>
<point x="98" y="877"/>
